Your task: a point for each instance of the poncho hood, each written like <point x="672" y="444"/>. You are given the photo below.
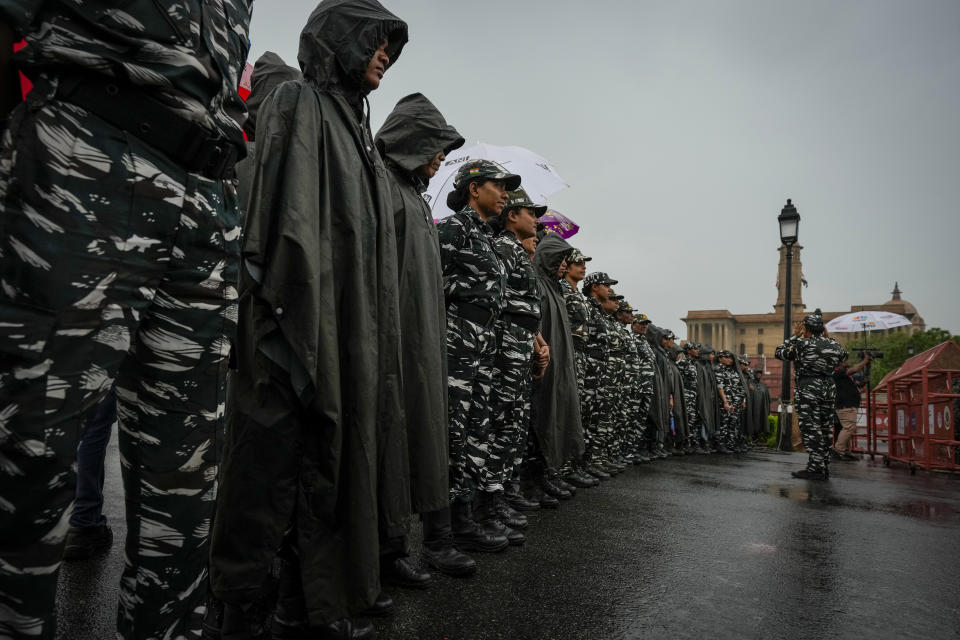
<point x="551" y="251"/>
<point x="414" y="132"/>
<point x="269" y="71"/>
<point x="341" y="37"/>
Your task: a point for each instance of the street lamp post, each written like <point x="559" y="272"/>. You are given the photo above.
<point x="789" y="221"/>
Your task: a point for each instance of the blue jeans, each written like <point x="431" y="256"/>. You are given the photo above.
<point x="88" y="507"/>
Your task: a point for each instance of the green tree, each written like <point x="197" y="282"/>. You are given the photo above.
<point x="894" y="348"/>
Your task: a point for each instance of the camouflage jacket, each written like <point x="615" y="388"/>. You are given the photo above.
<point x="597" y="330"/>
<point x="472" y="269"/>
<point x="728" y="379"/>
<point x="187" y="55"/>
<point x="814" y="356"/>
<point x="578" y="312"/>
<point x="616" y="340"/>
<point x="646" y="358"/>
<point x="521" y="293"/>
<point x="689" y="373"/>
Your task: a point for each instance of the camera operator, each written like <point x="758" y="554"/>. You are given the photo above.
<point x="848" y="402"/>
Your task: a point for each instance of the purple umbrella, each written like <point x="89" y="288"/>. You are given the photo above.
<point x="558" y="223"/>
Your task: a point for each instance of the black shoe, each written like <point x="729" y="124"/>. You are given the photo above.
<point x="382" y="606"/>
<point x="805" y="474"/>
<point x="519" y="502"/>
<point x="661" y="452"/>
<point x="577" y="480"/>
<point x="507" y="515"/>
<point x="468" y="534"/>
<point x="402" y="572"/>
<point x="514" y="537"/>
<point x="835" y="455"/>
<point x="549" y="502"/>
<point x="597" y="472"/>
<point x="553" y="490"/>
<point x="345" y="629"/>
<point x="563" y="484"/>
<point x="849" y="457"/>
<point x="723" y="449"/>
<point x="83" y="542"/>
<point x="449" y="560"/>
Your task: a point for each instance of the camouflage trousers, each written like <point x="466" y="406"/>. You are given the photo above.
<point x="694" y="423"/>
<point x="471" y="355"/>
<point x="610" y="425"/>
<point x="633" y="423"/>
<point x="815" y="402"/>
<point x="116" y="265"/>
<point x="729" y="433"/>
<point x="591" y="409"/>
<point x="510" y="404"/>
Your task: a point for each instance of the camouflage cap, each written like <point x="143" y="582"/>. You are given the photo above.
<point x="669" y="335"/>
<point x="577" y="256"/>
<point x="616" y="297"/>
<point x="624" y="306"/>
<point x="486" y="170"/>
<point x="814" y="321"/>
<point x="641" y="318"/>
<point x="598" y="277"/>
<point x="518" y="199"/>
<point x="691" y="346"/>
<point x="743" y="359"/>
<point x="724" y="353"/>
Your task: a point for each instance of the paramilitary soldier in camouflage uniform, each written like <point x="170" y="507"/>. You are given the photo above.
<point x="597" y="417"/>
<point x="118" y="254"/>
<point x="690" y="373"/>
<point x="651" y="438"/>
<point x="578" y="313"/>
<point x="516" y="329"/>
<point x="473" y="283"/>
<point x="614" y="382"/>
<point x="733" y="398"/>
<point x="631" y="426"/>
<point x="816" y="356"/>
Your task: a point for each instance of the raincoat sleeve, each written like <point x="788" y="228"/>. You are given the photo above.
<point x="280" y="247"/>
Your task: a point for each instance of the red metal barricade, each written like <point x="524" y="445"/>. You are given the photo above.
<point x="915" y="412"/>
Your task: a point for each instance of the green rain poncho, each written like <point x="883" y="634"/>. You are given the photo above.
<point x="319" y="299"/>
<point x="555" y="398"/>
<point x="410" y="137"/>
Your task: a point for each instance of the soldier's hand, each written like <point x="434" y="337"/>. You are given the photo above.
<point x="727" y="407"/>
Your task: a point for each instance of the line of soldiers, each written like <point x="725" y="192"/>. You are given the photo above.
<point x="380" y="366"/>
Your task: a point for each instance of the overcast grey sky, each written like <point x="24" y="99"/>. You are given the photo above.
<point x="683" y="127"/>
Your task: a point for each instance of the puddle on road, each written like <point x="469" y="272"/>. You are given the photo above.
<point x="920" y="509"/>
<point x="933" y="511"/>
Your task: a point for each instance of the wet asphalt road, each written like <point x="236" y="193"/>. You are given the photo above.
<point x="689" y="547"/>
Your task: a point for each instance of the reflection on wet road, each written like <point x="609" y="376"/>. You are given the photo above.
<point x="691" y="547"/>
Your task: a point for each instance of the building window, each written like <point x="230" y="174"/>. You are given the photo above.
<point x="760" y="349"/>
<point x="760" y="331"/>
<point x="743" y="348"/>
<point x="742" y="331"/>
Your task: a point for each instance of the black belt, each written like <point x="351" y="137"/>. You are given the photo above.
<point x="475" y="313"/>
<point x="527" y="322"/>
<point x="191" y="145"/>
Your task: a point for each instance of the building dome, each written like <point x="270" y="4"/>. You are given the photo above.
<point x="897" y="304"/>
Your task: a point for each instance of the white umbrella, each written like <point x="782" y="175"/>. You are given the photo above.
<point x="867" y="321"/>
<point x="540" y="179"/>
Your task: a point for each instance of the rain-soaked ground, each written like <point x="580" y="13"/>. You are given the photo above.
<point x="690" y="547"/>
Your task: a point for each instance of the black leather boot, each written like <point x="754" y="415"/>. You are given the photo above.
<point x="439" y="550"/>
<point x="402" y="572"/>
<point x="469" y="536"/>
<point x="506" y="514"/>
<point x="489" y="520"/>
<point x="551" y="489"/>
<point x="343" y="629"/>
<point x="382" y="606"/>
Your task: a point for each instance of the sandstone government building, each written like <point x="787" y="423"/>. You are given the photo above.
<point x="758" y="334"/>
